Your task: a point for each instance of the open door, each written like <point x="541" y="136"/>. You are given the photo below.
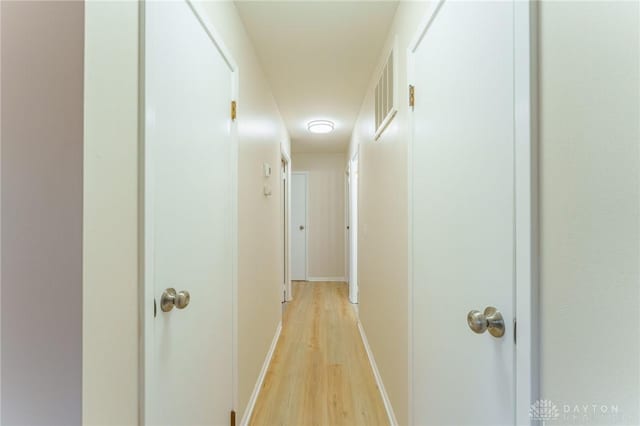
<point x="189" y="219"/>
<point x="471" y="226"/>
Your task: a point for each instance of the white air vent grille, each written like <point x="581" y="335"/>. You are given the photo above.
<point x="385" y="98"/>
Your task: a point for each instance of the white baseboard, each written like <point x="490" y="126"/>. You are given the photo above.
<point x="385" y="398"/>
<point x="256" y="390"/>
<point x="328" y="279"/>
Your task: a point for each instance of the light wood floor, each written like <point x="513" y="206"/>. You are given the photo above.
<point x="319" y="374"/>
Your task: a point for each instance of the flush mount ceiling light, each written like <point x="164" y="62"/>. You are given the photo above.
<point x="320" y="126"/>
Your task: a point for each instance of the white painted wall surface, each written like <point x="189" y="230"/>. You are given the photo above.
<point x="110" y="267"/>
<point x="383" y="228"/>
<point x="590" y="206"/>
<point x="42" y="98"/>
<point x="326" y="212"/>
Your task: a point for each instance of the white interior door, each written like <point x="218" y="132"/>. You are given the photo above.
<point x="299" y="226"/>
<point x="189" y="220"/>
<point x="463" y="215"/>
<point x="353" y="230"/>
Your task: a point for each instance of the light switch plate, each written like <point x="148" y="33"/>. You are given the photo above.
<point x="267" y="169"/>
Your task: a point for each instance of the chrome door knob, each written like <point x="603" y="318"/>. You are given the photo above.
<point x="182" y="299"/>
<point x="170" y="299"/>
<point x="491" y="319"/>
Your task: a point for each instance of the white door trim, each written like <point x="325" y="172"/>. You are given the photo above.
<point x="306" y="219"/>
<point x="353" y="223"/>
<point x="287" y="159"/>
<point x="526" y="207"/>
<point x="145" y="224"/>
<point x="526" y="204"/>
<point x="347" y="221"/>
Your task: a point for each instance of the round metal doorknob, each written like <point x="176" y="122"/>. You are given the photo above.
<point x="301" y="227"/>
<point x="491" y="319"/>
<point x="170" y="299"/>
<point x="182" y="299"/>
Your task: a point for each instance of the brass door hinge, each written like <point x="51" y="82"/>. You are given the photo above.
<point x="232" y="418"/>
<point x="412" y="96"/>
<point x="234" y="108"/>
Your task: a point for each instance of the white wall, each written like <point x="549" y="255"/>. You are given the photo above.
<point x="590" y="205"/>
<point x="326" y="229"/>
<point x="110" y="267"/>
<point x="383" y="221"/>
<point x="42" y="98"/>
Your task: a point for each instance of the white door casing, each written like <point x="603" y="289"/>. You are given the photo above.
<point x="347" y="230"/>
<point x="353" y="229"/>
<point x="284" y="225"/>
<point x="189" y="218"/>
<point x="472" y="220"/>
<point x="299" y="229"/>
<point x="287" y="206"/>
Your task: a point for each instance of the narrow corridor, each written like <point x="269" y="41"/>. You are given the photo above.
<point x="320" y="212"/>
<point x="320" y="374"/>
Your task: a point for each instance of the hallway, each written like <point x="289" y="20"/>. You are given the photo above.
<point x="319" y="374"/>
<point x="320" y="213"/>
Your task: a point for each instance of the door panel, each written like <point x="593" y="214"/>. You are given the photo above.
<point x="188" y="219"/>
<point x="299" y="226"/>
<point x="463" y="215"/>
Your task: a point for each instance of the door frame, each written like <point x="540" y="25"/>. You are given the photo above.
<point x="526" y="256"/>
<point x="287" y="223"/>
<point x="347" y="218"/>
<point x="353" y="224"/>
<point x="306" y="219"/>
<point x="145" y="224"/>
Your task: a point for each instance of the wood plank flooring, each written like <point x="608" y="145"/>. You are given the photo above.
<point x="320" y="373"/>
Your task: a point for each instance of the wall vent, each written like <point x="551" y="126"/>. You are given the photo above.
<point x="385" y="95"/>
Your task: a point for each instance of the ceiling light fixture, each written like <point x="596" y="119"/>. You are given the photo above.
<point x="320" y="126"/>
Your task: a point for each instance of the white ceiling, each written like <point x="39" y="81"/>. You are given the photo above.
<point x="318" y="57"/>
